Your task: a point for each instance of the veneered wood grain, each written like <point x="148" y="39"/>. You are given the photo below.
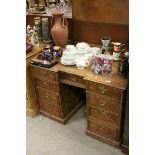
<point x="101" y="11"/>
<point x="93" y="32"/>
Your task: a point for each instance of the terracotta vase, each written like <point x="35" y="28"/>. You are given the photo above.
<point x="59" y="29"/>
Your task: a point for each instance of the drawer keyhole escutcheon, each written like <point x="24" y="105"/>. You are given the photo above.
<point x="102" y="90"/>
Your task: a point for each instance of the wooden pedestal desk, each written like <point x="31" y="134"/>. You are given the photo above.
<point x="59" y="93"/>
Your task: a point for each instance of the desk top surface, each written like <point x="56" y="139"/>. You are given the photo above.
<point x="114" y="79"/>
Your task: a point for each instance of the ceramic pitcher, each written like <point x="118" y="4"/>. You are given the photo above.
<point x="59" y="29"/>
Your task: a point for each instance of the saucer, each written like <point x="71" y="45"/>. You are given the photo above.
<point x="67" y="63"/>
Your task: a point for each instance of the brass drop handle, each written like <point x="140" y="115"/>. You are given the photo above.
<point x="103" y="113"/>
<point x="102" y="90"/>
<point x="103" y="103"/>
<point x="45" y="82"/>
<point x="46" y="95"/>
<point x="42" y="72"/>
<point x="73" y="78"/>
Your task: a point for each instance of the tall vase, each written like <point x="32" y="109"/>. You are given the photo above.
<point x="37" y="23"/>
<point x="46" y="36"/>
<point x="59" y="29"/>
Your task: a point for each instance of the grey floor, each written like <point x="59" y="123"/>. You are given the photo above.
<point x="47" y="137"/>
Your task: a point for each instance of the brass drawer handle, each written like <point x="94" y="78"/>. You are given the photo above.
<point x="46" y="83"/>
<point x="43" y="72"/>
<point x="103" y="113"/>
<point x="102" y="90"/>
<point x="103" y="103"/>
<point x="73" y="78"/>
<point x="47" y="95"/>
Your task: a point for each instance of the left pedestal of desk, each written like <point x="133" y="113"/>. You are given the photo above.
<point x="31" y="99"/>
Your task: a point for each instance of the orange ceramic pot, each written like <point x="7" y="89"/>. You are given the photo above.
<point x="59" y="29"/>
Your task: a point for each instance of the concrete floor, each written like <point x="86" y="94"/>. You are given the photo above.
<point x="47" y="137"/>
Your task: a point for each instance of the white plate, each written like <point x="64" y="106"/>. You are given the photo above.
<point x="67" y="63"/>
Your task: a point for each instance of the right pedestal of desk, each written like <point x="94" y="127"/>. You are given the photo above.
<point x="105" y="107"/>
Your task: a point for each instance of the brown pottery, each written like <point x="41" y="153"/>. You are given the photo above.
<point x="59" y="29"/>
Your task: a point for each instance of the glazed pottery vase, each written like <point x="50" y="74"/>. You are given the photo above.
<point x="59" y="29"/>
<point x="46" y="36"/>
<point x="37" y="23"/>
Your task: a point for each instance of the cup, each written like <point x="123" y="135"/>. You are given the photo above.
<point x="118" y="46"/>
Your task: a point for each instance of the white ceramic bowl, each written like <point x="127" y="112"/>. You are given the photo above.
<point x="96" y="50"/>
<point x="70" y="48"/>
<point x="82" y="45"/>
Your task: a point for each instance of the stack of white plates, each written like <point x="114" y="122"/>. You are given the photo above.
<point x="69" y="55"/>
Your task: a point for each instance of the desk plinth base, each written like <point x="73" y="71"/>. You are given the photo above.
<point x="32" y="112"/>
<point x="103" y="139"/>
<point x="59" y="120"/>
<point x="125" y="149"/>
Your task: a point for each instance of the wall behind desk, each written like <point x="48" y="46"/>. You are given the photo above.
<point x="30" y="21"/>
<point x="93" y="19"/>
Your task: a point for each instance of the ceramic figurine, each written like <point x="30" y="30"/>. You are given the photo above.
<point x="105" y="42"/>
<point x="32" y="37"/>
<point x="28" y="29"/>
<point x="31" y="34"/>
<point x="59" y="29"/>
<point x="35" y="34"/>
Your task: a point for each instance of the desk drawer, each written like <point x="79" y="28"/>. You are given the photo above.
<point x="103" y="129"/>
<point x="47" y="85"/>
<point x="43" y="73"/>
<point x="47" y="96"/>
<point x="103" y="116"/>
<point x="72" y="79"/>
<point x="50" y="108"/>
<point x="104" y="89"/>
<point x="104" y="103"/>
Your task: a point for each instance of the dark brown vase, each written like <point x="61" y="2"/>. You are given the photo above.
<point x="59" y="29"/>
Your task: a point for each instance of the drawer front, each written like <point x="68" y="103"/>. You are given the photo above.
<point x="47" y="96"/>
<point x="103" y="130"/>
<point x="73" y="78"/>
<point x="103" y="116"/>
<point x="104" y="103"/>
<point x="43" y="73"/>
<point x="104" y="89"/>
<point x="51" y="109"/>
<point x="47" y="85"/>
